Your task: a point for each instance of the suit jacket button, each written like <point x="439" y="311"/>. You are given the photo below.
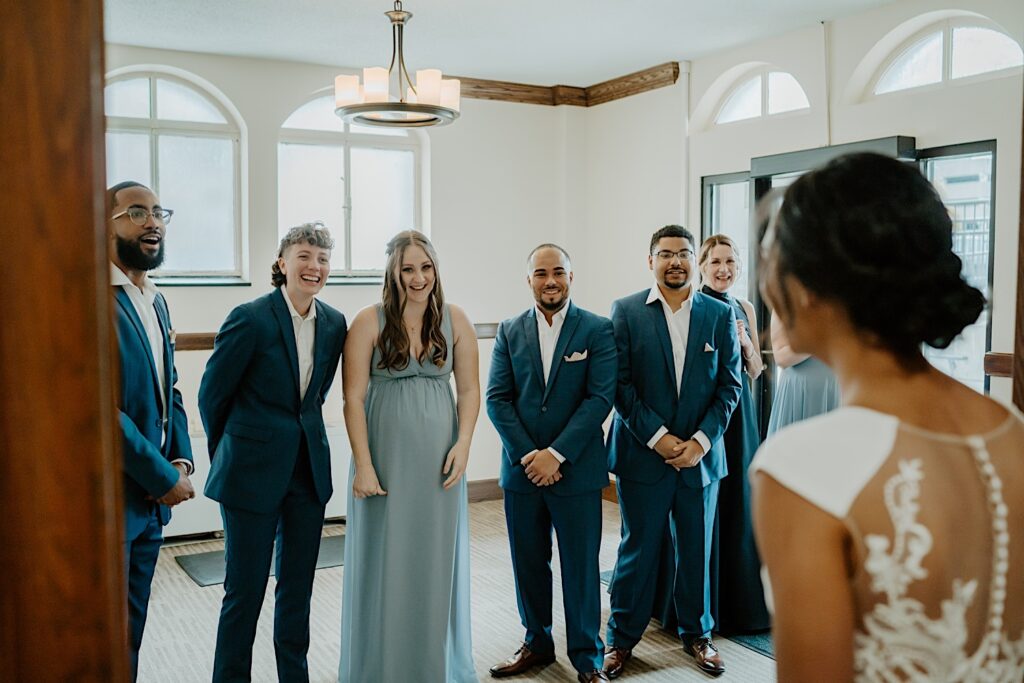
<point x="160" y="423"/>
<point x="543" y="409"/>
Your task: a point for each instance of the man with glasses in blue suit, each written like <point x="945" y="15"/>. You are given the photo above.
<point x="679" y="382"/>
<point x="156" y="449"/>
<point x="551" y="387"/>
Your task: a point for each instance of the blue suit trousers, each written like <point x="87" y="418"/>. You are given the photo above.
<point x="577" y="522"/>
<point x="646" y="510"/>
<point x="296" y="526"/>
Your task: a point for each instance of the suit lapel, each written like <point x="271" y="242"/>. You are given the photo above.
<point x="320" y="338"/>
<point x="695" y="339"/>
<point x="572" y="319"/>
<point x="656" y="313"/>
<point x="533" y="343"/>
<point x="284" y="321"/>
<point x="129" y="309"/>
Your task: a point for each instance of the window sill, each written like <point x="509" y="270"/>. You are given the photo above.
<point x="202" y="281"/>
<point x="348" y="280"/>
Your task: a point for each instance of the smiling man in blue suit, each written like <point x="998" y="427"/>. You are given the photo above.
<point x="551" y="387"/>
<point x="155" y="444"/>
<point x="261" y="401"/>
<point x="679" y="382"/>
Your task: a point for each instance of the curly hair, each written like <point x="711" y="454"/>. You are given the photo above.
<point x="872" y="234"/>
<point x="393" y="341"/>
<point x="314" y="234"/>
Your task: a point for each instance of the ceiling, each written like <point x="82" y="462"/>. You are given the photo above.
<point x="543" y="42"/>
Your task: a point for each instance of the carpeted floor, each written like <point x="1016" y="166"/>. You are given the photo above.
<point x="180" y="635"/>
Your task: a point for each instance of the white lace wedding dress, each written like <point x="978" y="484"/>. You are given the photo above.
<point x="937" y="523"/>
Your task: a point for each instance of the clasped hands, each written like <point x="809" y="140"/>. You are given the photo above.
<point x="541" y="467"/>
<point x="182" y="489"/>
<point x="679" y="453"/>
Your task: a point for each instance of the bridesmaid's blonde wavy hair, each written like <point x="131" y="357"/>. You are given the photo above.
<point x="393" y="341"/>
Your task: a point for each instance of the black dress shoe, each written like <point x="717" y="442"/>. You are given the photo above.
<point x="706" y="655"/>
<point x="615" y="659"/>
<point x="592" y="676"/>
<point x="523" y="660"/>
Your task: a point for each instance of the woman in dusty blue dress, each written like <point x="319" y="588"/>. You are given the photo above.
<point x="737" y="594"/>
<point x="805" y="387"/>
<point x="405" y="606"/>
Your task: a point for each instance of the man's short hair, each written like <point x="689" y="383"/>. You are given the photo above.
<point x="124" y="185"/>
<point x="314" y="234"/>
<point x="547" y="245"/>
<point x="670" y="231"/>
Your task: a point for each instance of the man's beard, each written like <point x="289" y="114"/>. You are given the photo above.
<point x="132" y="256"/>
<point x="553" y="306"/>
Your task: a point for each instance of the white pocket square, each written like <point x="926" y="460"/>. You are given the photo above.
<point x="708" y="348"/>
<point x="576" y="356"/>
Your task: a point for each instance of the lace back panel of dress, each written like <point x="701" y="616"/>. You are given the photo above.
<point x="936" y="579"/>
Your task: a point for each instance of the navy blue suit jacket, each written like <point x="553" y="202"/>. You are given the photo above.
<point x="567" y="412"/>
<point x="646" y="395"/>
<point x="249" y="402"/>
<point x="148" y="444"/>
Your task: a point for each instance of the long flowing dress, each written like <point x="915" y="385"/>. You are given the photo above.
<point x="737" y="595"/>
<point x="804" y="390"/>
<point x="405" y="609"/>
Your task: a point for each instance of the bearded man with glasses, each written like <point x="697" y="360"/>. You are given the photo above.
<point x="679" y="382"/>
<point x="155" y="444"/>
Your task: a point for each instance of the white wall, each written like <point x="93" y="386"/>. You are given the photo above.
<point x="981" y="109"/>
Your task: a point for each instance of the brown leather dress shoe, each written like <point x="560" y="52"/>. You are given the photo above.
<point x="615" y="659"/>
<point x="706" y="655"/>
<point x="592" y="676"/>
<point x="523" y="660"/>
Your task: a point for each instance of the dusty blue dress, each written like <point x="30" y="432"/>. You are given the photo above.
<point x="737" y="595"/>
<point x="405" y="607"/>
<point x="804" y="390"/>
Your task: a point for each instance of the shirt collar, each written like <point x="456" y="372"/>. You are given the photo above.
<point x="656" y="295"/>
<point x="118" y="278"/>
<point x="560" y="315"/>
<point x="295" y="314"/>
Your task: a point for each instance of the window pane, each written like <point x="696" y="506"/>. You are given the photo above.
<point x="785" y="93"/>
<point x="316" y="115"/>
<point x="128" y="158"/>
<point x="730" y="215"/>
<point x="744" y="103"/>
<point x="311" y="187"/>
<point x="197" y="180"/>
<point x="921" y="64"/>
<point x="977" y="50"/>
<point x="178" y="102"/>
<point x="127" y="98"/>
<point x="378" y="130"/>
<point x="965" y="185"/>
<point x="383" y="188"/>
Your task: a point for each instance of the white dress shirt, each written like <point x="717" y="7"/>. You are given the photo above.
<point x="305" y="334"/>
<point x="548" y="336"/>
<point x="679" y="332"/>
<point x="143" y="302"/>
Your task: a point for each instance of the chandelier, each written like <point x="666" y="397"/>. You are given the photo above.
<point x="433" y="101"/>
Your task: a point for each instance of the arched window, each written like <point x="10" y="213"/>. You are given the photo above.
<point x="765" y="94"/>
<point x="181" y="141"/>
<point x="362" y="182"/>
<point x="947" y="51"/>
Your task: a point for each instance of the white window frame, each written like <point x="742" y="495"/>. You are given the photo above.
<point x="153" y="127"/>
<point x="946" y="26"/>
<point x="763" y="73"/>
<point x="413" y="142"/>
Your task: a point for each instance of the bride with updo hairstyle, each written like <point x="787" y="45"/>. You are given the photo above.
<point x="892" y="529"/>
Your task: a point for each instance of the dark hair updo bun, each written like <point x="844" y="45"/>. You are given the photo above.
<point x="872" y="233"/>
